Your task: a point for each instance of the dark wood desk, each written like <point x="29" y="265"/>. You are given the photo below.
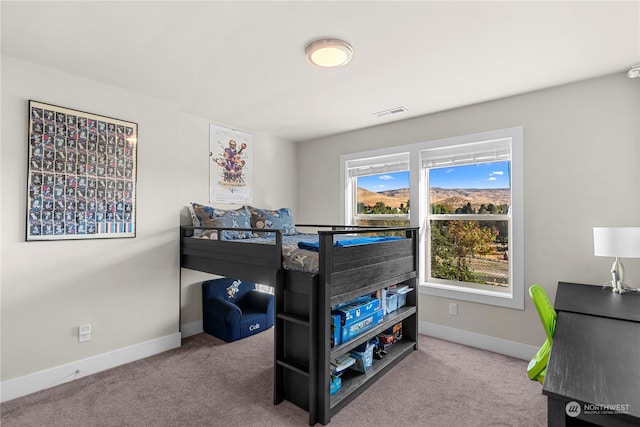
<point x="596" y="301"/>
<point x="595" y="358"/>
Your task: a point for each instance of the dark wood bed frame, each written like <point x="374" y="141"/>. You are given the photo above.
<point x="302" y="349"/>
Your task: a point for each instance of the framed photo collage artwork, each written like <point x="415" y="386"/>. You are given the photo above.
<point x="81" y="180"/>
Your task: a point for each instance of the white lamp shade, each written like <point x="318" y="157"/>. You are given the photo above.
<point x="623" y="242"/>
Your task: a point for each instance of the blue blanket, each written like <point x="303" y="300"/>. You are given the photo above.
<point x="315" y="246"/>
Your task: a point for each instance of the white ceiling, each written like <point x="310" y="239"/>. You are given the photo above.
<point x="242" y="63"/>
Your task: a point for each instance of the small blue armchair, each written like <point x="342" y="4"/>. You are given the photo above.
<point x="233" y="309"/>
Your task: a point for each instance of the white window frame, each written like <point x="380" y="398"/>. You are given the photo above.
<point x="373" y="164"/>
<point x="492" y="143"/>
<point x="420" y="205"/>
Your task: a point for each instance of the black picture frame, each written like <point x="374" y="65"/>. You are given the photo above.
<point x="81" y="175"/>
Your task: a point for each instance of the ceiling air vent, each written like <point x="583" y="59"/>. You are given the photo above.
<point x="390" y="111"/>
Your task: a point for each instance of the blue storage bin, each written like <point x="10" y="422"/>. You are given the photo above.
<point x="357" y="309"/>
<point x="364" y="357"/>
<point x="392" y="303"/>
<point x="354" y="329"/>
<point x="401" y="292"/>
<point x="336" y="330"/>
<point x="336" y="383"/>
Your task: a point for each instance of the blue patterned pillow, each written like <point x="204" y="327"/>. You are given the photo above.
<point x="208" y="216"/>
<point x="274" y="219"/>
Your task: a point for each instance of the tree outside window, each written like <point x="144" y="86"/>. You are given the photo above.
<point x="469" y="223"/>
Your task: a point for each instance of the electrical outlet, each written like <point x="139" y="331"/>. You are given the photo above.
<point x="453" y="309"/>
<point x="84" y="333"/>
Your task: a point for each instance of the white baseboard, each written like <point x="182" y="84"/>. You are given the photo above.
<point x="47" y="378"/>
<point x="193" y="328"/>
<point x="484" y="342"/>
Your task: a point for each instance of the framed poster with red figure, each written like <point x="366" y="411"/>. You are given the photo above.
<point x="230" y="166"/>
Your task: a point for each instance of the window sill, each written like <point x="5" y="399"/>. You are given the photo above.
<point x="481" y="296"/>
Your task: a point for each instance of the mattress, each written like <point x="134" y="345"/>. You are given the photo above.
<point x="293" y="258"/>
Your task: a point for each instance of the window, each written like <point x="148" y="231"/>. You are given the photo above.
<point x="377" y="190"/>
<point x="466" y="194"/>
<point x="472" y="246"/>
<point x="467" y="218"/>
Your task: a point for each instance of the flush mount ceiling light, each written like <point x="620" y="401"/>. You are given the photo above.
<point x="329" y="53"/>
<point x="634" y="72"/>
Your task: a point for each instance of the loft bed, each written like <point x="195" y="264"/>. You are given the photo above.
<point x="304" y="299"/>
<point x="258" y="263"/>
<point x="258" y="259"/>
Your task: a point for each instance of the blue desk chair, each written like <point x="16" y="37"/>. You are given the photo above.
<point x="233" y="309"/>
<point x="538" y="365"/>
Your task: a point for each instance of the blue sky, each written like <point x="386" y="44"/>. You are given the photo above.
<point x="482" y="175"/>
<point x="384" y="182"/>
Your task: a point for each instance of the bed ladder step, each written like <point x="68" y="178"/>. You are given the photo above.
<point x="300" y="320"/>
<point x="294" y="366"/>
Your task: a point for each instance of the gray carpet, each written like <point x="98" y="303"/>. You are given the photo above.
<point x="207" y="382"/>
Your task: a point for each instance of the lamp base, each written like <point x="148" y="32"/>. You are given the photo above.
<point x="619" y="287"/>
<point x="617" y="276"/>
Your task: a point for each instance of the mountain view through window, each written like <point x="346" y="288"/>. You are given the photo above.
<point x="469" y="223"/>
<point x="383" y="199"/>
<point x="468" y="218"/>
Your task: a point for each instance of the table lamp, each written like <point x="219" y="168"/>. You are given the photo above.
<point x="617" y="242"/>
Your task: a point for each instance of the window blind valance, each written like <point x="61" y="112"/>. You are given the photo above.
<point x="492" y="151"/>
<point x="378" y="165"/>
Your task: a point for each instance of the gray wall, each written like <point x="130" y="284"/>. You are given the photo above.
<point x="274" y="186"/>
<point x="581" y="157"/>
<point x="128" y="289"/>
